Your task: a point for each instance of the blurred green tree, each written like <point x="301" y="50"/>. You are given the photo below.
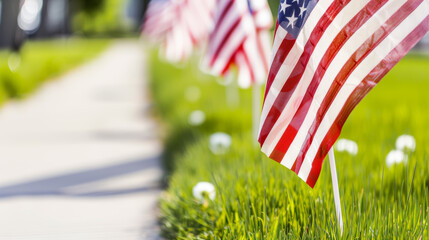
<point x="88" y="6"/>
<point x="99" y="18"/>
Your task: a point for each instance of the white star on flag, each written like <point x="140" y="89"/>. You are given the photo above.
<point x="302" y="9"/>
<point x="292" y="19"/>
<point x="284" y="5"/>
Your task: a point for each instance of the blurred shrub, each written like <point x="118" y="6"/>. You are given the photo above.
<point x="99" y="18"/>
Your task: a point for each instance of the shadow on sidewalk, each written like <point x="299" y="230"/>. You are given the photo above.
<point x="56" y="185"/>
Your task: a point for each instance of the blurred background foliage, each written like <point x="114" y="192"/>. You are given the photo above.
<point x="40" y="39"/>
<point x="22" y="73"/>
<point x="89" y="6"/>
<point x="29" y="19"/>
<point x="274" y="5"/>
<point x="106" y="17"/>
<point x="100" y="18"/>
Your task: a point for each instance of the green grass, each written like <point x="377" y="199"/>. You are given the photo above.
<point x="260" y="199"/>
<point x="21" y="73"/>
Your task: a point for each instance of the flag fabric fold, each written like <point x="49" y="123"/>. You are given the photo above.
<point x="327" y="55"/>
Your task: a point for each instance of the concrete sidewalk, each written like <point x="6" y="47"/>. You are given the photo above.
<point x="80" y="158"/>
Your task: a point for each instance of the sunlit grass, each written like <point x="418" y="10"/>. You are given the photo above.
<point x="259" y="199"/>
<point x="38" y="61"/>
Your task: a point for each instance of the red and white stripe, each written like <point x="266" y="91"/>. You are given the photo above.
<point x="242" y="39"/>
<point x="316" y="80"/>
<point x="198" y="16"/>
<point x="179" y="25"/>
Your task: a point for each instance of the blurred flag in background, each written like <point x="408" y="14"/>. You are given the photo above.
<point x="241" y="38"/>
<point x="253" y="59"/>
<point x="179" y="25"/>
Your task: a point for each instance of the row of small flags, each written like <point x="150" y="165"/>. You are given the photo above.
<point x="235" y="33"/>
<point x="326" y="56"/>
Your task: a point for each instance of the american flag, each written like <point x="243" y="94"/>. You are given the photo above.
<point x="327" y="56"/>
<point x="240" y="38"/>
<point x="179" y="25"/>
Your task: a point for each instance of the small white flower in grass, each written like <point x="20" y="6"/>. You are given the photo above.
<point x="196" y="118"/>
<point x="345" y="145"/>
<point x="406" y="143"/>
<point x="204" y="187"/>
<point x="395" y="157"/>
<point x="192" y="94"/>
<point x="219" y="143"/>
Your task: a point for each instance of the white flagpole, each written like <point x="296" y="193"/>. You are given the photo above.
<point x="231" y="90"/>
<point x="256" y="108"/>
<point x="336" y="190"/>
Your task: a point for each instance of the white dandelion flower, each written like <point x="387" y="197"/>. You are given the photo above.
<point x="406" y="143"/>
<point x="219" y="143"/>
<point x="396" y="157"/>
<point x="204" y="187"/>
<point x="346" y="145"/>
<point x="196" y="118"/>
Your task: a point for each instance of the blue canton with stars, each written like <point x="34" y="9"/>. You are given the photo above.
<point x="293" y="14"/>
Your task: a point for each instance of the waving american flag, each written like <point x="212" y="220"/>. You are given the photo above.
<point x="240" y="38"/>
<point x="327" y="56"/>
